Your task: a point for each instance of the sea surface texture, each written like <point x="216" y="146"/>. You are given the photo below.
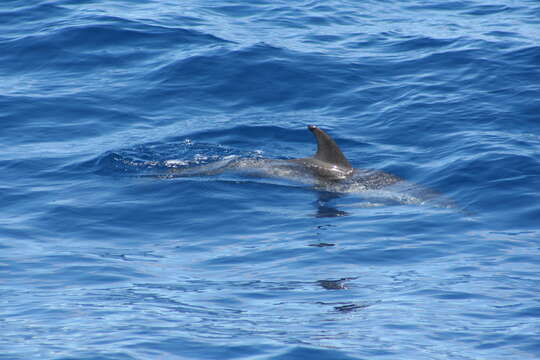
<point x="123" y="234"/>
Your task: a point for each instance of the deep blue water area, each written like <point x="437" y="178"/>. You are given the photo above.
<point x="108" y="252"/>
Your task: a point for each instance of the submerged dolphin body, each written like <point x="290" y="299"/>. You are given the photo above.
<point x="328" y="165"/>
<point x="327" y="170"/>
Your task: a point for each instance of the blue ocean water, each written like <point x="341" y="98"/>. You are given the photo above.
<point x="105" y="254"/>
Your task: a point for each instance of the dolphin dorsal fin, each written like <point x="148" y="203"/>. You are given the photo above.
<point x="327" y="149"/>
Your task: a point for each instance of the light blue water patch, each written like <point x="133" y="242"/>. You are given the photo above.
<point x="107" y="252"/>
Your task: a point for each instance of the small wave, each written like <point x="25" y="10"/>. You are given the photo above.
<point x="233" y="77"/>
<point x="159" y="158"/>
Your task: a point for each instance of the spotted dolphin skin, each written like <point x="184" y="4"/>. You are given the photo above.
<point x="333" y="172"/>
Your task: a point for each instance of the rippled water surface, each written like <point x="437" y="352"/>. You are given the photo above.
<point x="106" y="252"/>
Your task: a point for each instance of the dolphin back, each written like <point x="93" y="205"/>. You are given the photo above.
<point x="328" y="151"/>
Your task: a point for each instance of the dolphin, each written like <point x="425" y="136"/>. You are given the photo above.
<point x="328" y="169"/>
